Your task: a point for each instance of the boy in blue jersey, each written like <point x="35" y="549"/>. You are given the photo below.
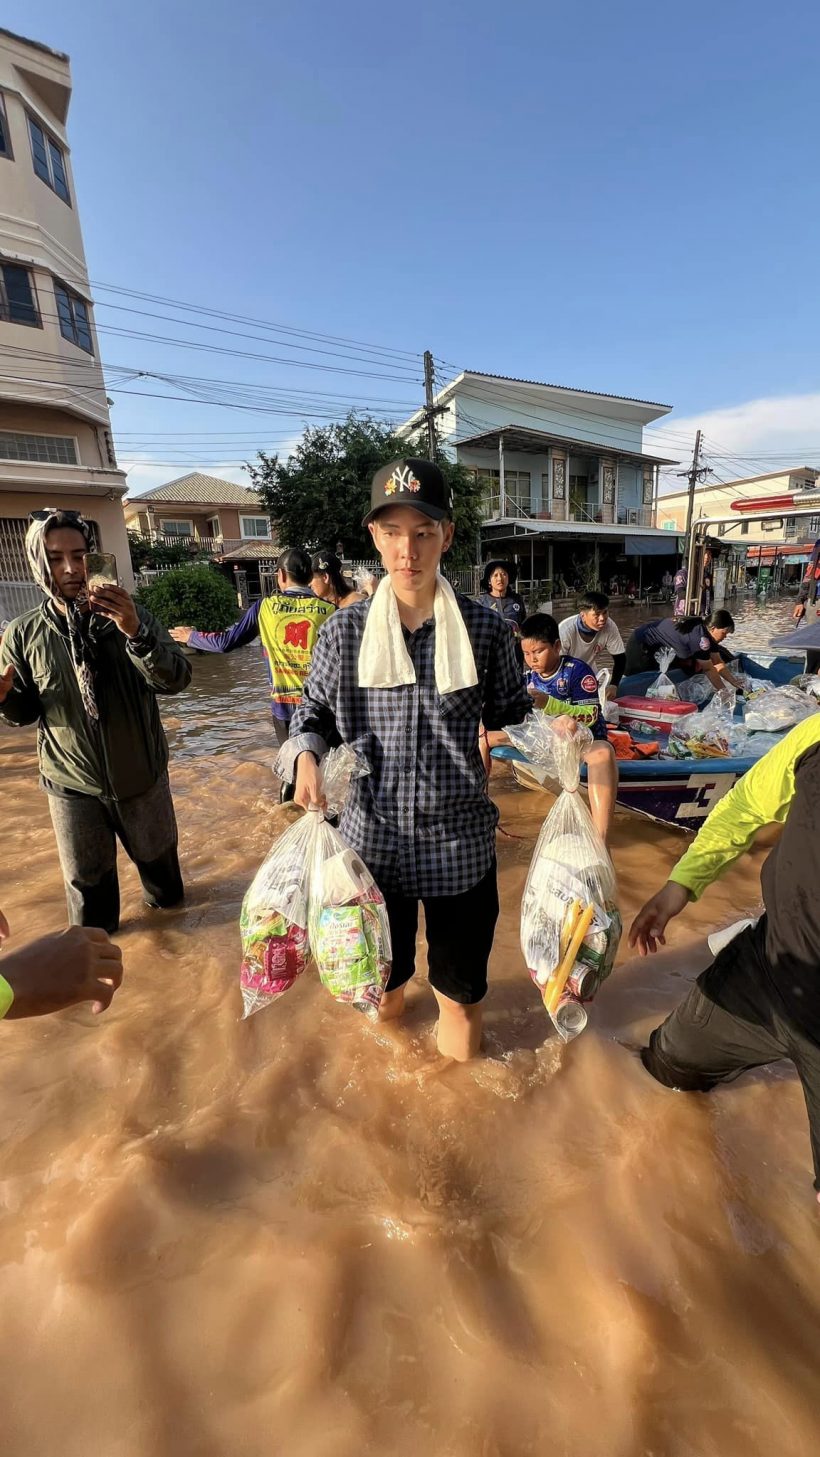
<point x="566" y="688"/>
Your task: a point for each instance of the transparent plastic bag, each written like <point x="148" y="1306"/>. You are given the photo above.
<point x="365" y="581"/>
<point x="779" y="709"/>
<point x="705" y="735"/>
<point x="314" y="895"/>
<point x="745" y="745"/>
<point x="348" y="929"/>
<point x="699" y="689"/>
<point x="662" y="686"/>
<point x="809" y="682"/>
<point x="570" y="923"/>
<point x="273" y="920"/>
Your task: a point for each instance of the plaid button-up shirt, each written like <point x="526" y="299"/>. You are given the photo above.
<point x="422" y="819"/>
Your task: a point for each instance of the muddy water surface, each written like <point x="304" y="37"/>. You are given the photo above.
<point x="300" y="1236"/>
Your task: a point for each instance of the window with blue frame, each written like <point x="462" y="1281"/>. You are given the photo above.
<point x="49" y="160"/>
<point x="72" y="312"/>
<point x="18" y="303"/>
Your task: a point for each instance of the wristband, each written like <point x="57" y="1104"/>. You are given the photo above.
<point x="6" y="997"/>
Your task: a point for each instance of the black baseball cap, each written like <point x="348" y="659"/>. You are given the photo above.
<point x="411" y="481"/>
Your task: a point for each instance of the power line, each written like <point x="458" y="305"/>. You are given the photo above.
<point x="236" y="318"/>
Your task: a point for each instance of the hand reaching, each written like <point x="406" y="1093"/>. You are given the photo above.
<point x="651" y="921"/>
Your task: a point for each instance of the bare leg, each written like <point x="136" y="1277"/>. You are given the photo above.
<point x="459" y="1029"/>
<point x="392" y="1005"/>
<point x="602" y="780"/>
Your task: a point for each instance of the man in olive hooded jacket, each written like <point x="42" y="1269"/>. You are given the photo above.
<point x="86" y="667"/>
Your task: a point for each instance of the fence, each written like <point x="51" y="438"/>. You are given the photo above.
<point x="464" y="579"/>
<point x="17" y="598"/>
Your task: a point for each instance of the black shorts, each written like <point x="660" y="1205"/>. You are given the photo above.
<point x="460" y="931"/>
<point x="732" y="1020"/>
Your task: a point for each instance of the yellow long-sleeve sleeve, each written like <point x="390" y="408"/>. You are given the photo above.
<point x="761" y="797"/>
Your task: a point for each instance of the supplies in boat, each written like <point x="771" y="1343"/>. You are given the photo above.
<point x="570" y="923"/>
<point x="628" y="749"/>
<point x="779" y="709"/>
<point x="705" y="735"/>
<point x="699" y="689"/>
<point x="650" y="716"/>
<point x="809" y="682"/>
<point x="662" y="687"/>
<point x="314" y="895"/>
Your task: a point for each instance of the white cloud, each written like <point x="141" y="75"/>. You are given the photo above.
<point x="757" y="436"/>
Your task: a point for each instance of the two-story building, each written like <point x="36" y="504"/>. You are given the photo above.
<point x="566" y="476"/>
<point x="777" y="542"/>
<point x="213" y="518"/>
<point x="56" y="448"/>
<point x="201" y="509"/>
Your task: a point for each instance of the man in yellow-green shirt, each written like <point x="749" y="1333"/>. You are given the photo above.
<point x="759" y="1001"/>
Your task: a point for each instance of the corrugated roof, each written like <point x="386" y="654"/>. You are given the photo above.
<point x="197" y="489"/>
<point x="522" y="438"/>
<point x="567" y="389"/>
<point x="256" y="551"/>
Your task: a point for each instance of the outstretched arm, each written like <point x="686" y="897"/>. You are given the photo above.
<point x="761" y="797"/>
<point x="235" y="636"/>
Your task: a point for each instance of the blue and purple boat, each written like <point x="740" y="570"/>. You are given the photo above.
<point x="676" y="792"/>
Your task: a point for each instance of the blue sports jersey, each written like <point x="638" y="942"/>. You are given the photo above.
<point x="573" y="685"/>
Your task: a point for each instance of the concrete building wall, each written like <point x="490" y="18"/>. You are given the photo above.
<point x="54" y="386"/>
<point x="147" y="516"/>
<point x="717" y="501"/>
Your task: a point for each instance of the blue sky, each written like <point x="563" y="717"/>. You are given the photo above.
<point x="621" y="197"/>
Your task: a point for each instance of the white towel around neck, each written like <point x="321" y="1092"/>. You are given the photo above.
<point x="384" y="661"/>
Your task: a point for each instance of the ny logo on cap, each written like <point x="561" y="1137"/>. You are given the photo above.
<point x="401" y="480"/>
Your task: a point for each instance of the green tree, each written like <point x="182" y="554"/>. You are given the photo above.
<point x="157" y="554"/>
<point x="197" y="597"/>
<point x="318" y="496"/>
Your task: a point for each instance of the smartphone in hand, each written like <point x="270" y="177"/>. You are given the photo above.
<point x="100" y="569"/>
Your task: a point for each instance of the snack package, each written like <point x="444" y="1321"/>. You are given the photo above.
<point x="663" y="687"/>
<point x="779" y="709"/>
<point x="705" y="735"/>
<point x="313" y="894"/>
<point x="570" y="923"/>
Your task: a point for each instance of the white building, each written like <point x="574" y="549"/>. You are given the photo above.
<point x="565" y="471"/>
<point x="55" y="433"/>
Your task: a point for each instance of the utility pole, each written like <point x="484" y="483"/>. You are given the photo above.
<point x="693" y="473"/>
<point x="430" y="409"/>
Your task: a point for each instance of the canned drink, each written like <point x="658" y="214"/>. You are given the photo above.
<point x="569" y="1017"/>
<point x="583" y="982"/>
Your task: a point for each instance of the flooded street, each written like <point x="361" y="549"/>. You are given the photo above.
<point x="300" y="1236"/>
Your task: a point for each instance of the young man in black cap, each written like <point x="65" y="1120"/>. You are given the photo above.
<point x="405" y="678"/>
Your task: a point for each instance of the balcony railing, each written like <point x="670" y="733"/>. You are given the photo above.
<point x="197" y="546"/>
<point x="571" y="511"/>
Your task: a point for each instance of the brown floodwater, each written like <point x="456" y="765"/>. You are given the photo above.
<point x="300" y="1235"/>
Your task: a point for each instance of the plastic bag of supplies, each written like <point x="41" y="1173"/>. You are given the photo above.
<point x="570" y="923"/>
<point x="314" y="896"/>
<point x="779" y="709"/>
<point x="705" y="735"/>
<point x="662" y="686"/>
